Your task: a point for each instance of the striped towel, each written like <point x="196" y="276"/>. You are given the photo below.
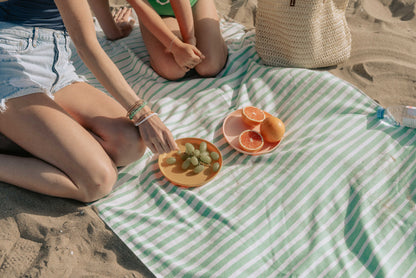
<point x="335" y="199"/>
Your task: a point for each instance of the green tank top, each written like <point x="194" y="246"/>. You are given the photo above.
<point x="163" y="7"/>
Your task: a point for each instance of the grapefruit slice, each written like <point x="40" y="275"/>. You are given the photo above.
<point x="252" y="115"/>
<point x="250" y="140"/>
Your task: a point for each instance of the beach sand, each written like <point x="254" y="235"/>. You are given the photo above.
<point x="41" y="236"/>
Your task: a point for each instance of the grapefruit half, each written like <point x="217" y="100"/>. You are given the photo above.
<point x="251" y="140"/>
<point x="252" y="115"/>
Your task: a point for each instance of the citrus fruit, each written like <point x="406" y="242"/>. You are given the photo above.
<point x="272" y="129"/>
<point x="252" y="115"/>
<point x="250" y="140"/>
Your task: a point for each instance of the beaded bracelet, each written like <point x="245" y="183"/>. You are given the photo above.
<point x="134" y="106"/>
<point x="136" y="109"/>
<point x="146" y="118"/>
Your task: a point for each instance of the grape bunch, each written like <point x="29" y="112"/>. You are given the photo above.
<point x="198" y="158"/>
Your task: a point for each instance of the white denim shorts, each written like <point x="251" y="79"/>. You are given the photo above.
<point x="33" y="60"/>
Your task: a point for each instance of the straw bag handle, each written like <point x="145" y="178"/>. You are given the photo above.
<point x="293" y="3"/>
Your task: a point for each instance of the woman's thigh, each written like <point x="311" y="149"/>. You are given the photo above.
<point x="105" y="118"/>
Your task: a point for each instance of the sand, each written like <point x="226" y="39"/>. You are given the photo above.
<point x="41" y="236"/>
<point x="383" y="58"/>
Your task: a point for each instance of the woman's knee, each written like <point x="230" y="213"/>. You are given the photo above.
<point x="96" y="182"/>
<point x="210" y="68"/>
<point x="173" y="75"/>
<point x="168" y="71"/>
<point x="124" y="144"/>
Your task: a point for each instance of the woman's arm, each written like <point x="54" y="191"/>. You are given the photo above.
<point x="78" y="21"/>
<point x="183" y="53"/>
<point x="183" y="13"/>
<point x="152" y="20"/>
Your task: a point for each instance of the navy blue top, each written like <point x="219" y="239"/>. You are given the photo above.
<point x="34" y="13"/>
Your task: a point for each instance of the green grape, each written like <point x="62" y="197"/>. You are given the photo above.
<point x="184" y="156"/>
<point x="194" y="160"/>
<point x="205" y="159"/>
<point x="215" y="166"/>
<point x="171" y="160"/>
<point x="203" y="147"/>
<point x="198" y="169"/>
<point x="189" y="148"/>
<point x="197" y="153"/>
<point x="204" y="153"/>
<point x="186" y="164"/>
<point x="215" y="156"/>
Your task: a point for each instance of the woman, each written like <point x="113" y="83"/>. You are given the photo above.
<point x="75" y="135"/>
<point x="181" y="35"/>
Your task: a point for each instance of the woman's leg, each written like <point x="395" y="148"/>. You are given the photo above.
<point x="105" y="118"/>
<point x="161" y="61"/>
<point x="7" y="146"/>
<point x="209" y="41"/>
<point x="209" y="38"/>
<point x="67" y="161"/>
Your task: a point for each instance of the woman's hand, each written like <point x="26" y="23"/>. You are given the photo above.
<point x="186" y="55"/>
<point x="157" y="136"/>
<point x="124" y="21"/>
<point x="191" y="41"/>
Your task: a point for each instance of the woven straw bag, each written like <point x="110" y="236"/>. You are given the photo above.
<point x="302" y="33"/>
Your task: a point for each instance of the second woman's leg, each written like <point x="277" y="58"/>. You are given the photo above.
<point x="209" y="38"/>
<point x="161" y="60"/>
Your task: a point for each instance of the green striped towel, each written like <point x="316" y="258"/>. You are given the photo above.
<point x="335" y="199"/>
